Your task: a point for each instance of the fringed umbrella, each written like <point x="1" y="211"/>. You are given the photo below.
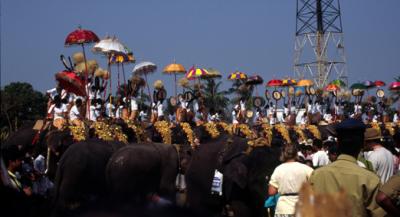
<point x="174" y="68"/>
<point x="195" y="73"/>
<point x="81" y="37"/>
<point x="379" y="83"/>
<point x="71" y="82"/>
<point x="145" y="68"/>
<point x="211" y="73"/>
<point x="339" y="83"/>
<point x="394" y="86"/>
<point x="255" y="80"/>
<point x="369" y="84"/>
<point x="332" y="88"/>
<point x="305" y="83"/>
<point x="237" y="76"/>
<point x="358" y="86"/>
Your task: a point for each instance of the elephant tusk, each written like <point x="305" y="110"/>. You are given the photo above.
<point x="47" y="160"/>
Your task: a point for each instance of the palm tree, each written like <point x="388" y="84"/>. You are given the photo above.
<point x="214" y="98"/>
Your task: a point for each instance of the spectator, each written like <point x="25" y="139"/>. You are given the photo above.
<point x="287" y="179"/>
<point x="389" y="196"/>
<point x="360" y="184"/>
<point x="320" y="158"/>
<point x="382" y="160"/>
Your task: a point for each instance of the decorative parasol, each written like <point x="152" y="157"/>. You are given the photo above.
<point x="71" y="82"/>
<point x="305" y="83"/>
<point x="339" y="83"/>
<point x="255" y="80"/>
<point x="145" y="68"/>
<point x="81" y="37"/>
<point x="211" y="73"/>
<point x="394" y="86"/>
<point x="174" y="68"/>
<point x="194" y="73"/>
<point x="237" y="76"/>
<point x="369" y="84"/>
<point x="288" y="82"/>
<point x="379" y="83"/>
<point x="332" y="88"/>
<point x="359" y="86"/>
<point x="274" y="83"/>
<point x="113" y="49"/>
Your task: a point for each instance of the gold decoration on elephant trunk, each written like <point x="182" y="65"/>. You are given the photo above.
<point x="259" y="142"/>
<point x="139" y="133"/>
<point x="227" y="127"/>
<point x="211" y="128"/>
<point x="163" y="128"/>
<point x="189" y="132"/>
<point x="247" y="132"/>
<point x="314" y="130"/>
<point x="109" y="133"/>
<point x="300" y="133"/>
<point x="267" y="132"/>
<point x="118" y="134"/>
<point x="78" y="133"/>
<point x="284" y="132"/>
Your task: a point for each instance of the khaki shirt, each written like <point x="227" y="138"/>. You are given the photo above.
<point x="360" y="184"/>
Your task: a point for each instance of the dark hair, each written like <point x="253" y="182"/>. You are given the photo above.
<point x="317" y="143"/>
<point x="11" y="153"/>
<point x="289" y="153"/>
<point x="78" y="102"/>
<point x="333" y="149"/>
<point x="350" y="142"/>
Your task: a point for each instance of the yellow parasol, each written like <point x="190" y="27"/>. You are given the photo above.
<point x="305" y="83"/>
<point x="174" y="68"/>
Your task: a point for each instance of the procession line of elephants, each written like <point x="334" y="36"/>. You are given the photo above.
<point x="116" y="175"/>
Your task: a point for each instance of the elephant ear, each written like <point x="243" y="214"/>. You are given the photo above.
<point x="237" y="172"/>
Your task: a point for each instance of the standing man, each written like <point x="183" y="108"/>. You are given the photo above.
<point x="382" y="160"/>
<point x="360" y="184"/>
<point x="319" y="158"/>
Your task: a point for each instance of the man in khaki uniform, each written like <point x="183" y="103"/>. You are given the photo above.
<point x="360" y="184"/>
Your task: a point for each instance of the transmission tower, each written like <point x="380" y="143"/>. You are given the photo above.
<point x="319" y="48"/>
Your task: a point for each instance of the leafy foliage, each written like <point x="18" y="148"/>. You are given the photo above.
<point x="20" y="103"/>
<point x="214" y="98"/>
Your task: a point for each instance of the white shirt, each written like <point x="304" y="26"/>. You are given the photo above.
<point x="52" y="93"/>
<point x="59" y="112"/>
<point x="74" y="113"/>
<point x="288" y="178"/>
<point x="134" y="105"/>
<point x="93" y="113"/>
<point x="382" y="161"/>
<point x="110" y="110"/>
<point x="234" y="119"/>
<point x="242" y="105"/>
<point x="320" y="158"/>
<point x="395" y="117"/>
<point x="160" y="111"/>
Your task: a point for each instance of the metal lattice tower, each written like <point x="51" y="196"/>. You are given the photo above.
<point x="319" y="48"/>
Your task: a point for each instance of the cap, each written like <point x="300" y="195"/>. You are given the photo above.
<point x="350" y="124"/>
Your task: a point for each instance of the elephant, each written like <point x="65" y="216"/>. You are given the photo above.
<point x="245" y="175"/>
<point x="80" y="178"/>
<point x="137" y="171"/>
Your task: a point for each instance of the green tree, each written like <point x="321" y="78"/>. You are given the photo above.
<point x="214" y="98"/>
<point x="20" y="103"/>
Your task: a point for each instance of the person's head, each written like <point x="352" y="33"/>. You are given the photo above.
<point x="333" y="152"/>
<point x="317" y="143"/>
<point x="78" y="102"/>
<point x="308" y="163"/>
<point x="289" y="153"/>
<point x="57" y="100"/>
<point x="372" y="137"/>
<point x="12" y="158"/>
<point x="350" y="136"/>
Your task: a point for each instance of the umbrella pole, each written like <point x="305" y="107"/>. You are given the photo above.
<point x="123" y="74"/>
<point x="86" y="82"/>
<point x="118" y="82"/>
<point x="175" y="84"/>
<point x="109" y="69"/>
<point x="148" y="89"/>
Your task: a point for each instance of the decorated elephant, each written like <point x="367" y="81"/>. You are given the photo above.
<point x="245" y="176"/>
<point x="80" y="179"/>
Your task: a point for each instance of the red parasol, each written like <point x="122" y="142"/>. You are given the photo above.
<point x="379" y="83"/>
<point x="394" y="85"/>
<point x="71" y="82"/>
<point x="332" y="88"/>
<point x="274" y="83"/>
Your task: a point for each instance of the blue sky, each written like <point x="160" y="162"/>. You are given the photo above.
<point x="254" y="36"/>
